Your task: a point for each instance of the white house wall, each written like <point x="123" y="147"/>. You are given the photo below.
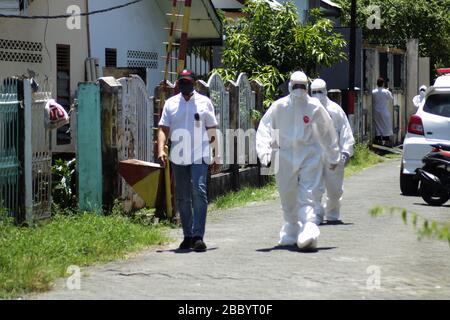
<point x="57" y="33"/>
<point x="138" y="28"/>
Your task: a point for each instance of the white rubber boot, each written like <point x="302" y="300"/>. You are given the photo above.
<point x="307" y="239"/>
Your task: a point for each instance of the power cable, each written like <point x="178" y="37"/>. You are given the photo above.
<point x="65" y="16"/>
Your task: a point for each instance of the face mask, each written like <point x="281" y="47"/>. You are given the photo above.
<point x="422" y="94"/>
<point x="186" y="88"/>
<point x="320" y="96"/>
<point x="299" y="93"/>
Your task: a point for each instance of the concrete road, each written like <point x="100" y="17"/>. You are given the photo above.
<point x="367" y="258"/>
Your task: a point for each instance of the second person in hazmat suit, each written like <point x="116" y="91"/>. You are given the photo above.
<point x="333" y="179"/>
<point x="417" y="100"/>
<point x="292" y="136"/>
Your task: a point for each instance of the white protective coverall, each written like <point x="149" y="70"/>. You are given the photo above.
<point x="417" y="100"/>
<point x="295" y="131"/>
<point x="333" y="180"/>
<point x="381" y="114"/>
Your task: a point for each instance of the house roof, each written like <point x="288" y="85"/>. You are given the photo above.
<point x="204" y="24"/>
<point x="228" y="4"/>
<point x="331" y="4"/>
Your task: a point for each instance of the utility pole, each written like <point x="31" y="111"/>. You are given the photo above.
<point x="352" y="62"/>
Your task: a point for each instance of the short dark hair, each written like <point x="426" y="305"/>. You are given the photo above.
<point x="380" y="82"/>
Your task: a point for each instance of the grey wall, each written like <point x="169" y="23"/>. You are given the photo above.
<point x="336" y="76"/>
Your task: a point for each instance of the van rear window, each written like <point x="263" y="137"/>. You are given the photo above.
<point x="438" y="104"/>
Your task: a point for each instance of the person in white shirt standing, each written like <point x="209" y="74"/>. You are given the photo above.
<point x="189" y="120"/>
<point x="381" y="115"/>
<point x="333" y="180"/>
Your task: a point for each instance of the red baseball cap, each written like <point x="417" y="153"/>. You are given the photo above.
<point x="186" y="75"/>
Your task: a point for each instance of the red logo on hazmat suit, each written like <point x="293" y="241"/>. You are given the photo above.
<point x="306" y="119"/>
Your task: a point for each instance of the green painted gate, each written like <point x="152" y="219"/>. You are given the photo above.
<point x="9" y="147"/>
<point x="89" y="148"/>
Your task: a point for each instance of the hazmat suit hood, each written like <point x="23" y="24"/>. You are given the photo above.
<point x="298" y="86"/>
<point x="422" y="91"/>
<point x="319" y="91"/>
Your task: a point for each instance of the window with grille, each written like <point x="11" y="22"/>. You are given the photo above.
<point x="110" y="57"/>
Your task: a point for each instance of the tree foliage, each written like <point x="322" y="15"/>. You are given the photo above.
<point x="423" y="226"/>
<point x="425" y="20"/>
<point x="268" y="43"/>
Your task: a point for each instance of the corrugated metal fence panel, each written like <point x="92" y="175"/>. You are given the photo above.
<point x="135" y="131"/>
<point x="246" y="105"/>
<point x="41" y="158"/>
<point x="9" y="146"/>
<point x="221" y="101"/>
<point x="144" y="112"/>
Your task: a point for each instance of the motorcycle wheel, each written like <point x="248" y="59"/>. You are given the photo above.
<point x="434" y="196"/>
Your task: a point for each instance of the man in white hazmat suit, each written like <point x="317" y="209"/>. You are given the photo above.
<point x="333" y="180"/>
<point x="295" y="131"/>
<point x="417" y="100"/>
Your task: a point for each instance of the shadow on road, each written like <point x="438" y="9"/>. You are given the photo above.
<point x="185" y="250"/>
<point x="427" y="205"/>
<point x="295" y="249"/>
<point x="336" y="224"/>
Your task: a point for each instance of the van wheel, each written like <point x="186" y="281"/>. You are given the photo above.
<point x="408" y="183"/>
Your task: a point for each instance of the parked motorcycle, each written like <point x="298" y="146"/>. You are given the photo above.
<point x="434" y="176"/>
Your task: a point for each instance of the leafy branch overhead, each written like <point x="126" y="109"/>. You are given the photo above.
<point x="423" y="227"/>
<point x="269" y="43"/>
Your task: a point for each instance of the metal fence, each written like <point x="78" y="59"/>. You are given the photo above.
<point x="220" y="99"/>
<point x="9" y="146"/>
<point x="135" y="130"/>
<point x="41" y="157"/>
<point x="25" y="156"/>
<point x="246" y="104"/>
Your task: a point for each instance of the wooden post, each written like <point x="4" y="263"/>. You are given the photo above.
<point x="110" y="92"/>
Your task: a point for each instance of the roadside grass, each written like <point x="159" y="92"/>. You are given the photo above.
<point x="31" y="259"/>
<point x="245" y="196"/>
<point x="363" y="158"/>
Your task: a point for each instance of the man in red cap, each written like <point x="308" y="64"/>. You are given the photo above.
<point x="189" y="120"/>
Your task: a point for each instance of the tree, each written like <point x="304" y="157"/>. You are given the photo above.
<point x="426" y="20"/>
<point x="269" y="43"/>
<point x="424" y="227"/>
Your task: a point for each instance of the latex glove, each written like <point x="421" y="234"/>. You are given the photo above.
<point x="345" y="158"/>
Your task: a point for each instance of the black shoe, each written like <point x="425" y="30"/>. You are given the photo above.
<point x="198" y="244"/>
<point x="186" y="244"/>
<point x="334" y="222"/>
